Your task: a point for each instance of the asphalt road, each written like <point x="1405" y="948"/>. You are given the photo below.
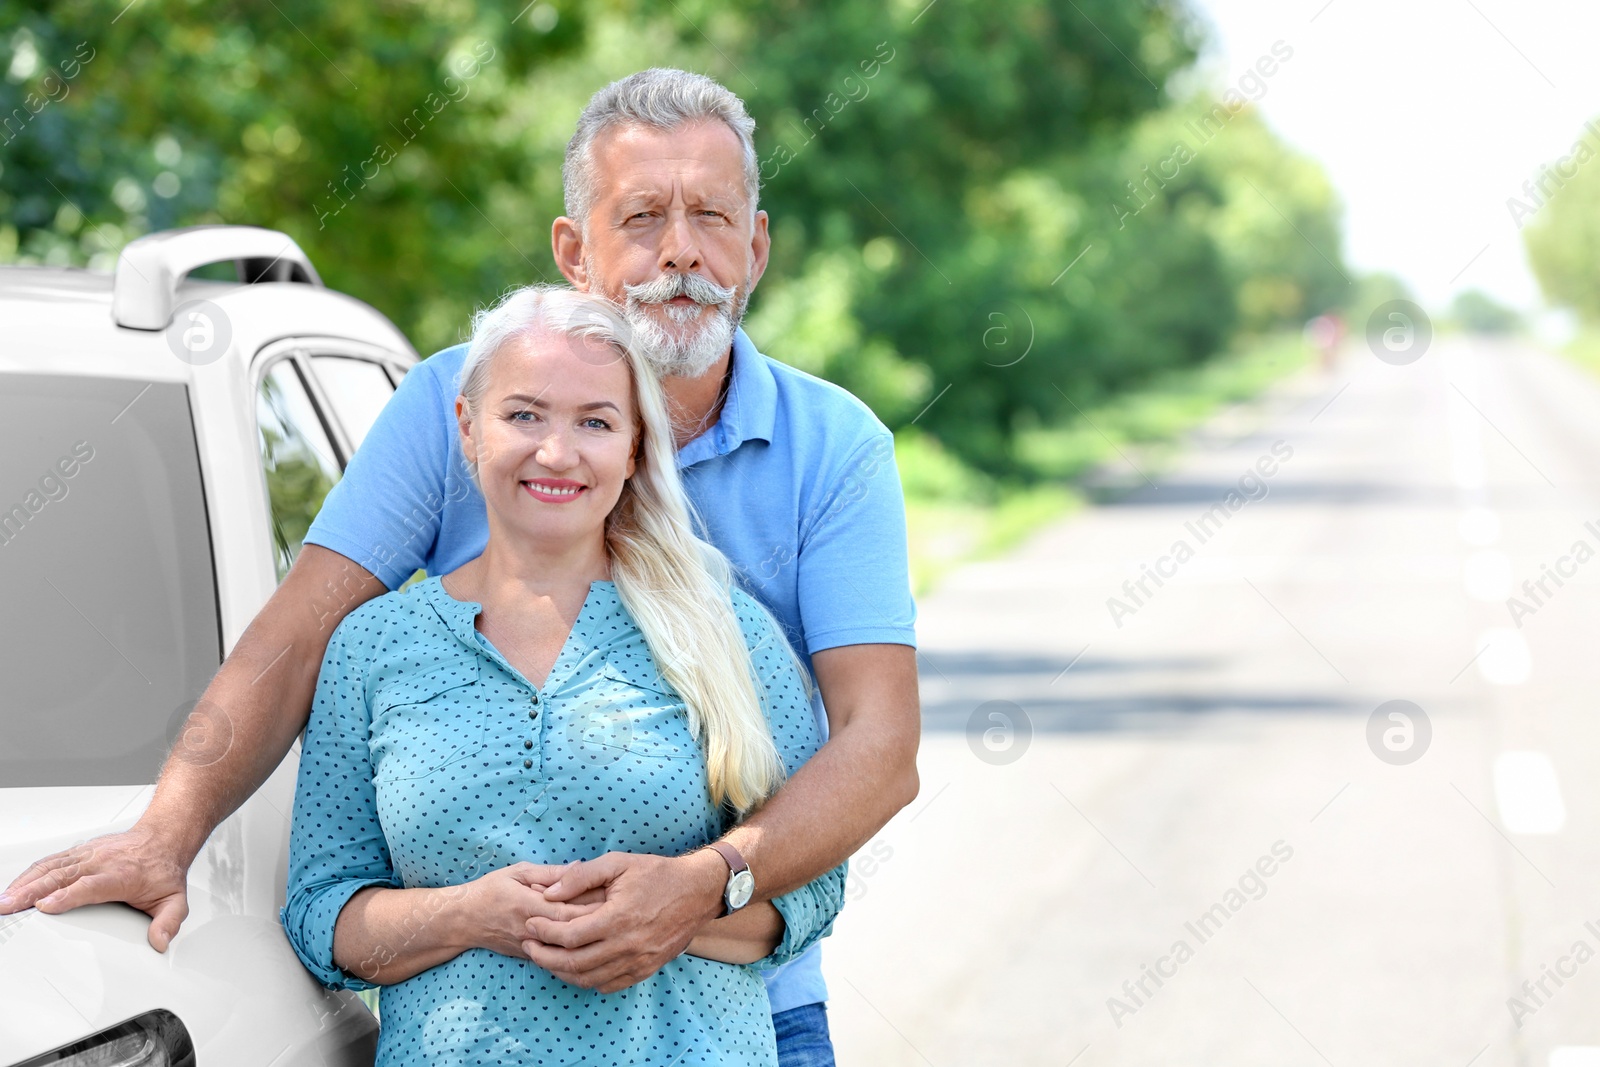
<point x="1193" y="844"/>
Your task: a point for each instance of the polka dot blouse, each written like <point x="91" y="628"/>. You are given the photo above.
<point x="430" y="761"/>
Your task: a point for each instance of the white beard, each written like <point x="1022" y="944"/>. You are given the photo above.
<point x="705" y="328"/>
<point x="689" y="352"/>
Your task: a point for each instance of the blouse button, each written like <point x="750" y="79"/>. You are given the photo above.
<point x="527" y="764"/>
<point x="527" y="744"/>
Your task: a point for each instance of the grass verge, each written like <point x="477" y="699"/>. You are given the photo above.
<point x="1584" y="350"/>
<point x="956" y="515"/>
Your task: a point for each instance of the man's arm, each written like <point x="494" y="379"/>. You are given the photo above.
<point x="857" y="781"/>
<point x="830" y="807"/>
<point x="240" y="730"/>
<point x="853" y="580"/>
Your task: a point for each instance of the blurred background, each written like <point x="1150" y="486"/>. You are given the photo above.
<point x="1093" y="261"/>
<point x="930" y="176"/>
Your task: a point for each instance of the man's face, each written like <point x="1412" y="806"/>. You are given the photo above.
<point x="672" y="237"/>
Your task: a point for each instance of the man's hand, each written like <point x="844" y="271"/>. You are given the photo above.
<point x="654" y="906"/>
<point x="135" y="866"/>
<point x="239" y="731"/>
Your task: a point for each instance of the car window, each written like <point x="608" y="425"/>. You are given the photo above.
<point x="297" y="457"/>
<point x="357" y="389"/>
<point x="110" y="599"/>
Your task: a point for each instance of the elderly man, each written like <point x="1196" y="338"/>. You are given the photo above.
<point x="793" y="477"/>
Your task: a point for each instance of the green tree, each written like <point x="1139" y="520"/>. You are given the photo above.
<point x="943" y="194"/>
<point x="1563" y="243"/>
<point x="1477" y="312"/>
<point x="943" y="179"/>
<point x="1278" y="226"/>
<point x="365" y="131"/>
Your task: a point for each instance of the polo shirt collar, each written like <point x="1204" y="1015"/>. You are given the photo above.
<point x="748" y="414"/>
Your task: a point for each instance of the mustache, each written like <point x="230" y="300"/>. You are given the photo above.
<point x="664" y="288"/>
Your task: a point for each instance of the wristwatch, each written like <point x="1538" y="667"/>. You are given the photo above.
<point x="741" y="883"/>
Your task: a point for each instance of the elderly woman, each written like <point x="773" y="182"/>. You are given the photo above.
<point x="593" y="682"/>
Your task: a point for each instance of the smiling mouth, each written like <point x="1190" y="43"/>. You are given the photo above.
<point x="553" y="494"/>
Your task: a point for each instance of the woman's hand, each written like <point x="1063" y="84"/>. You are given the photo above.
<point x="385" y="935"/>
<point x="495" y="908"/>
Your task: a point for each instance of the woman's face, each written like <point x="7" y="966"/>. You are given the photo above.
<point x="554" y="437"/>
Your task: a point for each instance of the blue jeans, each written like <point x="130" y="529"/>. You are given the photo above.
<point x="803" y="1039"/>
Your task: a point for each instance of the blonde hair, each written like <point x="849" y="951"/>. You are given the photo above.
<point x="677" y="586"/>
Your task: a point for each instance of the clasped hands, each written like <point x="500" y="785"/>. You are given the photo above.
<point x="602" y="924"/>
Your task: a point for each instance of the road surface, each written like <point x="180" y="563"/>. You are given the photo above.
<point x="1181" y="822"/>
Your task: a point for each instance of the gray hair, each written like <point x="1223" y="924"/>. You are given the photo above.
<point x="551" y="308"/>
<point x="662" y="98"/>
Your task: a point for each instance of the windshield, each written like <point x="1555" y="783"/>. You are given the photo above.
<point x="109" y="602"/>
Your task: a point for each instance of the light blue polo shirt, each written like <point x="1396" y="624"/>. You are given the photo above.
<point x="795" y="483"/>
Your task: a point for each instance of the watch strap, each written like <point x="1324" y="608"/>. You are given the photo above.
<point x="735" y="861"/>
<point x="738" y="876"/>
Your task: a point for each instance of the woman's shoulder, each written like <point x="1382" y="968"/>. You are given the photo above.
<point x="764" y="635"/>
<point x="783" y="685"/>
<point x="408" y="611"/>
<point x="754" y="619"/>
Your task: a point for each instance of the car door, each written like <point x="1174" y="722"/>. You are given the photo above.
<point x="316" y="398"/>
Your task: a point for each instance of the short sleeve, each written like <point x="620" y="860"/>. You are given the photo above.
<point x="336" y="844"/>
<point x="385" y="513"/>
<point x="853" y="575"/>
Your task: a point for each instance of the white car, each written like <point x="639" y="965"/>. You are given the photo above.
<point x="164" y="443"/>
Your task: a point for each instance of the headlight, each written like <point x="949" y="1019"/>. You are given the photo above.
<point x="155" y="1039"/>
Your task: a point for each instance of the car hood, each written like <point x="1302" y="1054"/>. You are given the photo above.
<point x="230" y="974"/>
<point x="39" y="820"/>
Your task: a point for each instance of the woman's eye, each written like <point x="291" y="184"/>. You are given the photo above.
<point x="522" y="416"/>
<point x="597" y="424"/>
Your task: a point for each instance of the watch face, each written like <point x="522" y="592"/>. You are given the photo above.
<point x="740" y="888"/>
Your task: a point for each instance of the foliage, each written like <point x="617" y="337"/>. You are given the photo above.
<point x="943" y="180"/>
<point x="1371" y="291"/>
<point x="1151" y="418"/>
<point x="1477" y="312"/>
<point x="1584" y="349"/>
<point x="954" y="514"/>
<point x="1563" y="243"/>
<point x="1277" y="226"/>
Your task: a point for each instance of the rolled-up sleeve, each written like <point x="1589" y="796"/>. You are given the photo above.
<point x="336" y="845"/>
<point x="808" y="912"/>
